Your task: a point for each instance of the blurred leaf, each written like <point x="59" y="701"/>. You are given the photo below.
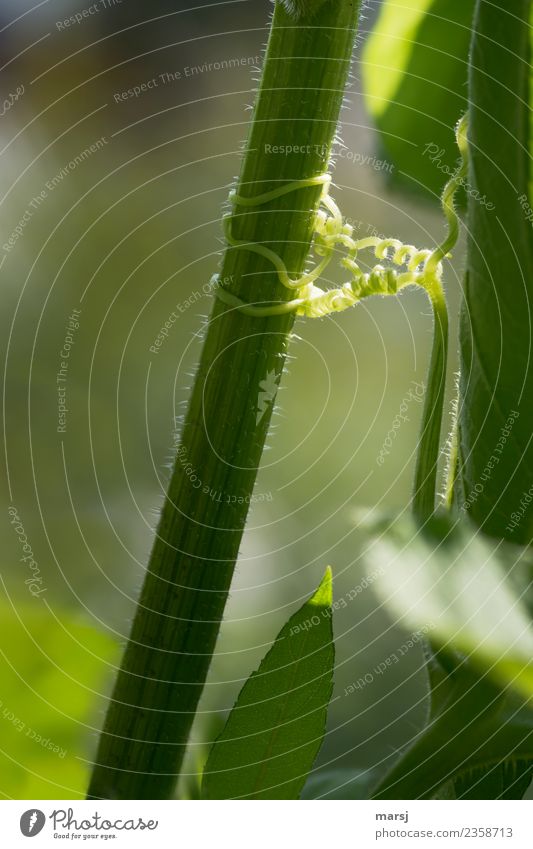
<point x="450" y="580"/>
<point x="276" y="727"/>
<point x="496" y="404"/>
<point x="341" y="784"/>
<point x="52" y="668"/>
<point x="454" y="582"/>
<point x="415" y="68"/>
<point x="505" y="781"/>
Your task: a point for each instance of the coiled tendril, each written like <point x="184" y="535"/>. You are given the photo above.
<point x="400" y="264"/>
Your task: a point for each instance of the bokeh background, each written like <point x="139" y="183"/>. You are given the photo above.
<point x="112" y="202"/>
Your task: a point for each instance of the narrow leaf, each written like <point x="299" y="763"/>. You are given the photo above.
<point x="415" y="68"/>
<point x="276" y="727"/>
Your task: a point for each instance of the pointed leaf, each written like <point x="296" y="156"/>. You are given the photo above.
<point x="276" y="727"/>
<point x="415" y="67"/>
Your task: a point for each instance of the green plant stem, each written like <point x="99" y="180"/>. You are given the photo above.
<point x="429" y="442"/>
<point x="497" y="311"/>
<point x="174" y="632"/>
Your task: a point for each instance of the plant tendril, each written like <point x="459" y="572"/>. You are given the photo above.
<point x="400" y="265"/>
<point x="420" y="267"/>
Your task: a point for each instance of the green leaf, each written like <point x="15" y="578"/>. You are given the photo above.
<point x="341" y="784"/>
<point x="276" y="727"/>
<point x="414" y="74"/>
<point x="52" y="667"/>
<point x="454" y="582"/>
<point x="463" y="591"/>
<point x="505" y="780"/>
<point x="496" y="389"/>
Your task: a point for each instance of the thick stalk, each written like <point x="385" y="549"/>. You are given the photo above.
<point x="495" y="444"/>
<point x="429" y="442"/>
<point x="182" y="602"/>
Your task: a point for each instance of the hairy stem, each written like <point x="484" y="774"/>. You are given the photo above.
<point x="427" y="460"/>
<point x="429" y="443"/>
<point x="174" y="632"/>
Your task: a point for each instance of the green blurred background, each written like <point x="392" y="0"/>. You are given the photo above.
<point x="128" y="233"/>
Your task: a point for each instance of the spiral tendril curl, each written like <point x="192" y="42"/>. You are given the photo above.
<point x="421" y="268"/>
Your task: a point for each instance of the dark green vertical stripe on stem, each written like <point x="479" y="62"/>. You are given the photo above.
<point x="496" y="442"/>
<point x="182" y="602"/>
